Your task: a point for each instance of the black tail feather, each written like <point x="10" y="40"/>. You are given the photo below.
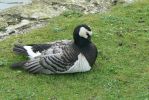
<point x="18" y="65"/>
<point x="19" y="49"/>
<point x="40" y="47"/>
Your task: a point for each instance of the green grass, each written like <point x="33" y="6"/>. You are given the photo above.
<point x="121" y="71"/>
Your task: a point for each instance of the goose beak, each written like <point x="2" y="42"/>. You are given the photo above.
<point x="88" y="36"/>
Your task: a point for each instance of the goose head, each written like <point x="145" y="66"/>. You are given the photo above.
<point x="82" y="35"/>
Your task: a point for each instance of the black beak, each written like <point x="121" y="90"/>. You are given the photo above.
<point x="89" y="37"/>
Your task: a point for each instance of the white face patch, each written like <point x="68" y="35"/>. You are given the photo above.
<point x="83" y="32"/>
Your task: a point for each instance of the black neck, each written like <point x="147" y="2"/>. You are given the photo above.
<point x="81" y="42"/>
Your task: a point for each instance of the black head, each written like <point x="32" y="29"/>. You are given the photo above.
<point x="82" y="35"/>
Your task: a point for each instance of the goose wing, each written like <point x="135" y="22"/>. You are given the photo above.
<point x="34" y="50"/>
<point x="56" y="63"/>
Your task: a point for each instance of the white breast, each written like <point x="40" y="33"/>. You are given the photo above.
<point x="81" y="65"/>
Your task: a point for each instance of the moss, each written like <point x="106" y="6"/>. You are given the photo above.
<point x="3" y="24"/>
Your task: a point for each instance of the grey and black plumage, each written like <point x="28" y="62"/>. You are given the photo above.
<point x="66" y="56"/>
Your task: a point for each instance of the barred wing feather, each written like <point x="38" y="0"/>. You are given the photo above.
<point x="57" y="63"/>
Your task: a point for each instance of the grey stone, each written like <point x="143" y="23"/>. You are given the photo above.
<point x="20" y="19"/>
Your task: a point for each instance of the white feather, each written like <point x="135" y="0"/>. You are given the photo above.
<point x="83" y="32"/>
<point x="81" y="65"/>
<point x="31" y="53"/>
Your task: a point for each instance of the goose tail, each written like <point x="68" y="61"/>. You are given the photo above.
<point x="18" y="65"/>
<point x="19" y="49"/>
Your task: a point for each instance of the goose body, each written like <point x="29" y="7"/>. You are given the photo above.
<point x="59" y="57"/>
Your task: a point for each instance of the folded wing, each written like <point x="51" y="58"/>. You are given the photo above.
<point x="57" y="63"/>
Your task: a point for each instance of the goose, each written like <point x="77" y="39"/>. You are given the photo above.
<point x="59" y="57"/>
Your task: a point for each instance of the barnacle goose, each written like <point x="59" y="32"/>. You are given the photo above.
<point x="66" y="56"/>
